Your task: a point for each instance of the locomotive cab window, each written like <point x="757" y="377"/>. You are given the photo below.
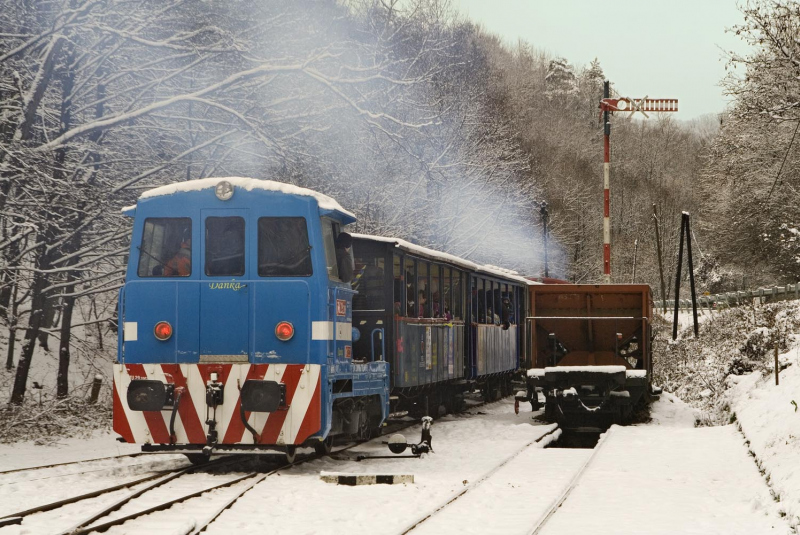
<point x="166" y="248"/>
<point x="283" y="248"/>
<point x="329" y="232"/>
<point x="224" y="246"/>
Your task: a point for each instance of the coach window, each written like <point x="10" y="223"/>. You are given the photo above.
<point x="411" y="287"/>
<point x="224" y="246"/>
<point x="447" y="293"/>
<point x="473" y="299"/>
<point x="398" y="288"/>
<point x="487" y="290"/>
<point x="508" y="294"/>
<point x="491" y="313"/>
<point x="283" y="248"/>
<point x="329" y="233"/>
<point x="480" y="301"/>
<point x="435" y="303"/>
<point x="458" y="295"/>
<point x="369" y="281"/>
<point x="166" y="249"/>
<point x="423" y="290"/>
<point x="497" y="299"/>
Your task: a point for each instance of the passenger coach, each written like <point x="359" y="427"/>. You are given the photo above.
<point x="446" y="325"/>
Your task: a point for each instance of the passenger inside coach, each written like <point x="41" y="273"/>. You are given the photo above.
<point x="423" y="305"/>
<point x="436" y="305"/>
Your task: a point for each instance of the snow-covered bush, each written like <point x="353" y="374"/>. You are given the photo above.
<point x="733" y="341"/>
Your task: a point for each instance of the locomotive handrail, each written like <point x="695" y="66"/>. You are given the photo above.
<point x="383" y="346"/>
<point x="120" y="323"/>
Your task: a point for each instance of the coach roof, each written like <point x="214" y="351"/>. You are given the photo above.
<point x="446" y="257"/>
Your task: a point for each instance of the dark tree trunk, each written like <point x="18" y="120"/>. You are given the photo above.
<point x="62" y="380"/>
<point x="34" y="325"/>
<point x="12" y="328"/>
<point x="44" y="260"/>
<point x="68" y="303"/>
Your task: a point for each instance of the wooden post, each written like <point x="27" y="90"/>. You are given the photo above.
<point x="660" y="262"/>
<point x="777" y="369"/>
<point x="96" y="384"/>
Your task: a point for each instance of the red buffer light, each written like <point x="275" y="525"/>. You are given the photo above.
<point x="162" y="330"/>
<point x="284" y="331"/>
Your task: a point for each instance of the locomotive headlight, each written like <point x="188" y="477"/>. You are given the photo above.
<point x="146" y="395"/>
<point x="284" y="331"/>
<point x="162" y="330"/>
<point x="224" y="190"/>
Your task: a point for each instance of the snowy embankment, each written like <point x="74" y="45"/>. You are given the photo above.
<point x="728" y="375"/>
<point x="768" y="417"/>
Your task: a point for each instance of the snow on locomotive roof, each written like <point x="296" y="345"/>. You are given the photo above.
<point x="446" y="257"/>
<point x="248" y="184"/>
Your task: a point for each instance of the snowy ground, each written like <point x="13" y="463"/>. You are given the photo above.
<point x="663" y="477"/>
<point x="669" y="478"/>
<point x="27" y="454"/>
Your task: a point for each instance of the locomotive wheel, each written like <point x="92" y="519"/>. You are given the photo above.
<point x="291" y="453"/>
<point x="197" y="459"/>
<point x="323" y="447"/>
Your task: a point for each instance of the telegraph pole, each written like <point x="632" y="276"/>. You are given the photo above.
<point x="607" y="106"/>
<point x="606" y="187"/>
<point x="545" y="216"/>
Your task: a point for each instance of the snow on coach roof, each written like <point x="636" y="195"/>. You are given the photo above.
<point x="248" y="184"/>
<point x="445" y="257"/>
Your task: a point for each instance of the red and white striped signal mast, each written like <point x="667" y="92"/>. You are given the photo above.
<point x="609" y="105"/>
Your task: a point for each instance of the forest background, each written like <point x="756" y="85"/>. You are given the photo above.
<point x="424" y="125"/>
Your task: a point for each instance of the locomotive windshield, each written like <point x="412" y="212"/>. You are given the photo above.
<point x="224" y="246"/>
<point x="166" y="247"/>
<point x="283" y="249"/>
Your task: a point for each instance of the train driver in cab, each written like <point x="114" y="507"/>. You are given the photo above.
<point x="180" y="265"/>
<point x="344" y="256"/>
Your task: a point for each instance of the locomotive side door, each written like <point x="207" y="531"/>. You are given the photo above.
<point x="224" y="290"/>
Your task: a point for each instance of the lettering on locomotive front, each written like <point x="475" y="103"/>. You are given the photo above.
<point x="235" y="286"/>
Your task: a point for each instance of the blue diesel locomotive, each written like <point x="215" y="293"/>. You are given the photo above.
<point x="249" y="326"/>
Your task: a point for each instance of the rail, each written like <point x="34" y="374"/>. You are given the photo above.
<point x="789" y="292"/>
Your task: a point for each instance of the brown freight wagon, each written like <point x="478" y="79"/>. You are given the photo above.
<point x="590" y="351"/>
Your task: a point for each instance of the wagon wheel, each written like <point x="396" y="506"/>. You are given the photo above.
<point x="323" y="447"/>
<point x="291" y="454"/>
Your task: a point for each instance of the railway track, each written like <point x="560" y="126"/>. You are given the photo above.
<point x="561" y="498"/>
<point x="94" y="521"/>
<point x="85" y="461"/>
<point x="552" y="434"/>
<point x="548" y="507"/>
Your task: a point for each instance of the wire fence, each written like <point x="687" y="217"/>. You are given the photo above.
<point x="788" y="292"/>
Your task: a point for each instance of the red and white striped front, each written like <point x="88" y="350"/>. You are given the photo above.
<point x="292" y="424"/>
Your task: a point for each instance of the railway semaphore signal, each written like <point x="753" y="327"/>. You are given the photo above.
<point x="624" y="104"/>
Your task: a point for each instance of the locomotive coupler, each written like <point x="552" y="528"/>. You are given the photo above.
<point x="215" y="391"/>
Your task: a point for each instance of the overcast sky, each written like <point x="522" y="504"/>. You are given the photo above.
<point x="662" y="49"/>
